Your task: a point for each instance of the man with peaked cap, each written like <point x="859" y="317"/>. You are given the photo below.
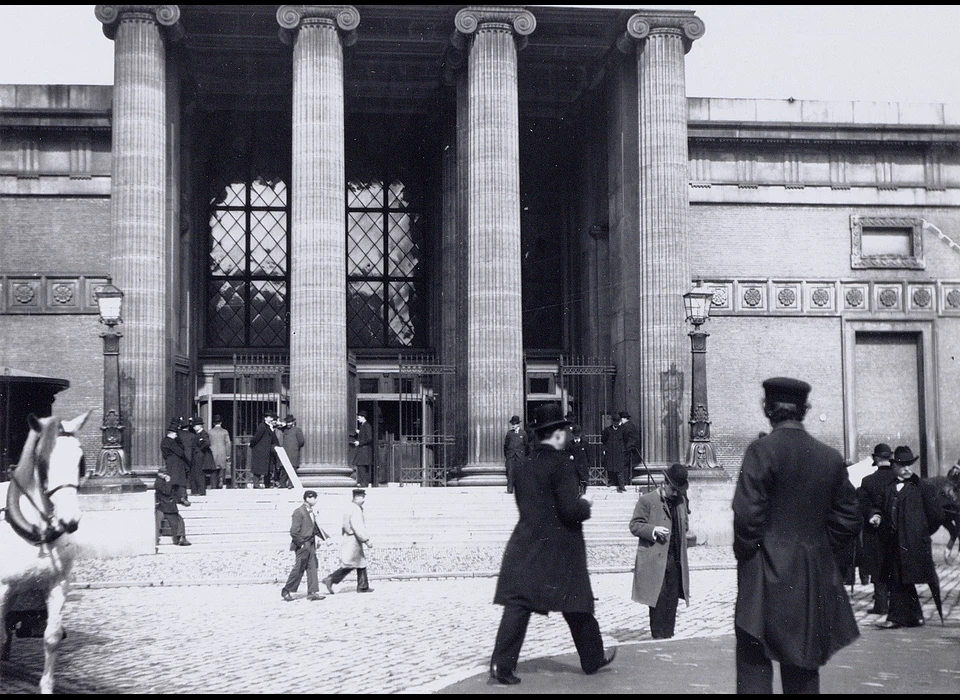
<point x="910" y="514"/>
<point x="514" y="449"/>
<point x="661" y="576"/>
<point x="544" y="566"/>
<point x="355" y="538"/>
<point x="794" y="509"/>
<point x="870" y="495"/>
<point x="363" y="459"/>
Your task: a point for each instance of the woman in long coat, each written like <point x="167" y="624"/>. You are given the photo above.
<point x="261" y="449"/>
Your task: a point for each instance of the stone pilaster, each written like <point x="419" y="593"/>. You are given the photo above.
<point x="318" y="340"/>
<point x="138" y="210"/>
<point x="494" y="363"/>
<point x="662" y="38"/>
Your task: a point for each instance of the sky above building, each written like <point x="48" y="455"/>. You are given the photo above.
<point x="902" y="53"/>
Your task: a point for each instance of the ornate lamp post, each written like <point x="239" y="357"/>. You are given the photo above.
<point x="700" y="454"/>
<point x="111" y="473"/>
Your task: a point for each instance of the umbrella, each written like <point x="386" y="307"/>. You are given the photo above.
<point x="860" y="469"/>
<point x="935" y="593"/>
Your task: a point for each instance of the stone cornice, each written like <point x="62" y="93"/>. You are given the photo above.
<point x="345" y="18"/>
<point x="517" y="20"/>
<point x="646" y="23"/>
<point x="167" y="16"/>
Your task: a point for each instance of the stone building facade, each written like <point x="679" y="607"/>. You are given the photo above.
<point x="446" y="215"/>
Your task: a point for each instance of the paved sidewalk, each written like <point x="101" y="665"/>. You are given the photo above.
<point x="408" y="636"/>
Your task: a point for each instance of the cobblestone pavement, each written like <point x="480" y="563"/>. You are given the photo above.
<point x="413" y="636"/>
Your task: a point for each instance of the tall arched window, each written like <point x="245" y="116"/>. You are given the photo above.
<point x="248" y="265"/>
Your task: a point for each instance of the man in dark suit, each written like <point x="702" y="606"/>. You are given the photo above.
<point x="175" y="459"/>
<point x="870" y="496"/>
<point x="363" y="459"/>
<point x="545" y="563"/>
<point x="166" y="508"/>
<point x="578" y="450"/>
<point x="514" y="449"/>
<point x="188" y="438"/>
<point x="303" y="540"/>
<point x="794" y="509"/>
<point x="261" y="449"/>
<point x="612" y="449"/>
<point x="630" y="435"/>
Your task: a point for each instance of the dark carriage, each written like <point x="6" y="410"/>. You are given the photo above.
<point x="23" y="393"/>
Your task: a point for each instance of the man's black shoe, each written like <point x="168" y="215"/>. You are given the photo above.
<point x="607" y="660"/>
<point x="315" y="596"/>
<point x="503" y="677"/>
<point x="286" y="596"/>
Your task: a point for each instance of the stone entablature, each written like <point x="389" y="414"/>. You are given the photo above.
<point x="845" y="297"/>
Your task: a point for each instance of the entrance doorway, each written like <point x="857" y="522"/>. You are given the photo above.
<point x="888" y="381"/>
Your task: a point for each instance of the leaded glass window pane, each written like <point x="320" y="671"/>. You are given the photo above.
<point x="228" y="243"/>
<point x="365" y="314"/>
<point x="268" y="314"/>
<point x="365" y="194"/>
<point x="268" y="243"/>
<point x="404" y="241"/>
<point x="402" y="318"/>
<point x="266" y="193"/>
<point x="226" y="315"/>
<point x="364" y="244"/>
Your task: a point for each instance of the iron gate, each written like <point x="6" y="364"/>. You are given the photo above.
<point x="257" y="385"/>
<point x="424" y="424"/>
<point x="586" y="385"/>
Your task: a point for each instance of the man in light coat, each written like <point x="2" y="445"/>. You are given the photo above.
<point x="661" y="575"/>
<point x="351" y="552"/>
<point x="794" y="509"/>
<point x="220" y="446"/>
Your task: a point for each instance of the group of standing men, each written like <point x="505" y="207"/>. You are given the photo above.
<point x="271" y="433"/>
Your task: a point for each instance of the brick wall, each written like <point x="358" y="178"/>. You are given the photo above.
<point x="742" y="352"/>
<point x="738" y="240"/>
<point x="66" y="347"/>
<point x="55" y="234"/>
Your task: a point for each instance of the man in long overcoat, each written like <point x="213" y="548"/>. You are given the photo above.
<point x="661" y="575"/>
<point x="578" y="449"/>
<point x="612" y="449"/>
<point x="204" y="463"/>
<point x="630" y="435"/>
<point x="910" y="514"/>
<point x="355" y="538"/>
<point x="175" y="458"/>
<point x="514" y="449"/>
<point x="166" y="508"/>
<point x="794" y="508"/>
<point x="293" y="441"/>
<point x="188" y="438"/>
<point x="870" y="496"/>
<point x="220" y="446"/>
<point x="363" y="459"/>
<point x="261" y="449"/>
<point x="544" y="565"/>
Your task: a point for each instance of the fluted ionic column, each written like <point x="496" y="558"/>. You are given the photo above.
<point x="662" y="39"/>
<point x="494" y="309"/>
<point x="318" y="337"/>
<point x="138" y="212"/>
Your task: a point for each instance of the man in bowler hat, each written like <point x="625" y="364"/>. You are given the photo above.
<point x="304" y="531"/>
<point x="630" y="435"/>
<point x="176" y="461"/>
<point x="870" y="496"/>
<point x="363" y="459"/>
<point x="794" y="510"/>
<point x="514" y="449"/>
<point x="910" y="514"/>
<point x="661" y="576"/>
<point x="544" y="565"/>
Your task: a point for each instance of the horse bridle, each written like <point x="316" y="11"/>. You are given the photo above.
<point x="44" y="513"/>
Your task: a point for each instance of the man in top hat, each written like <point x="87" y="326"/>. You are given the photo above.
<point x="578" y="450"/>
<point x="292" y="441"/>
<point x="220" y="447"/>
<point x="794" y="508"/>
<point x="612" y="449"/>
<point x="188" y="438"/>
<point x="261" y="449"/>
<point x="544" y="565"/>
<point x="204" y="462"/>
<point x="661" y="576"/>
<point x="514" y="449"/>
<point x="910" y="514"/>
<point x="363" y="459"/>
<point x="352" y="556"/>
<point x="304" y="531"/>
<point x="630" y="435"/>
<point x="175" y="459"/>
<point x="870" y="495"/>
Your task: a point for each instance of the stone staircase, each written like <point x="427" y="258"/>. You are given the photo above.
<point x="259" y="519"/>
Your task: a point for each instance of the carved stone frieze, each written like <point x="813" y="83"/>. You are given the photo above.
<point x="49" y="294"/>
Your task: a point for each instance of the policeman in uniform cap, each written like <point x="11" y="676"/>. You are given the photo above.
<point x="794" y="507"/>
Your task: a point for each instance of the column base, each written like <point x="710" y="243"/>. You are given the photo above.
<point x="322" y="475"/>
<point x="482" y="474"/>
<point x="650" y="475"/>
<point x="127" y="483"/>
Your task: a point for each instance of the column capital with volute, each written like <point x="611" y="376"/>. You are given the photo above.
<point x="167" y="16"/>
<point x="345" y="18"/>
<point x="517" y="20"/>
<point x="644" y="24"/>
